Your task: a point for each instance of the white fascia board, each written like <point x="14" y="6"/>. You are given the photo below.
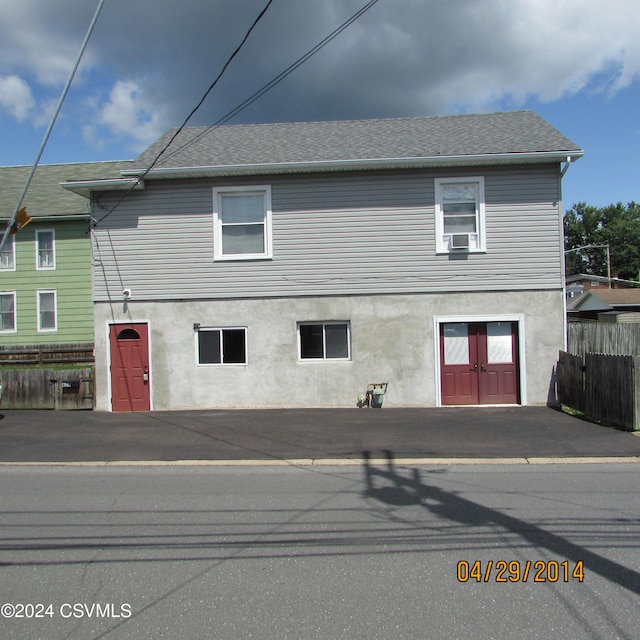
<point x="351" y="165"/>
<point x="86" y="187"/>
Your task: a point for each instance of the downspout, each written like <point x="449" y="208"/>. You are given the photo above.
<point x="564" y="272"/>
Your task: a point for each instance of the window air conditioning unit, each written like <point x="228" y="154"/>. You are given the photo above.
<point x="459" y="241"/>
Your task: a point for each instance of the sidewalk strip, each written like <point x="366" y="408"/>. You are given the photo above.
<point x="333" y="462"/>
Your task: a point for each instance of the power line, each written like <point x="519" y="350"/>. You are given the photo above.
<point x="52" y="122"/>
<point x="210" y="89"/>
<point x="275" y="81"/>
<point x="243" y="105"/>
<point x="186" y="120"/>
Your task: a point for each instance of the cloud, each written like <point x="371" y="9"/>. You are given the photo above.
<point x="16" y="97"/>
<point x="129" y="114"/>
<point x="149" y="62"/>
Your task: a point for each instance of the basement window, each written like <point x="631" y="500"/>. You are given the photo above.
<point x="222" y="346"/>
<point x="324" y="341"/>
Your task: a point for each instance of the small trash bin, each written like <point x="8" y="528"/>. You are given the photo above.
<point x="376" y="393"/>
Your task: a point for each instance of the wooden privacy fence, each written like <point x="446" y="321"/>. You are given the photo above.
<point x="606" y="388"/>
<point x="603" y="337"/>
<point x="46" y="388"/>
<point x="47" y="354"/>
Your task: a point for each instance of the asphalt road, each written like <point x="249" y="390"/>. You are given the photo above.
<point x="373" y="551"/>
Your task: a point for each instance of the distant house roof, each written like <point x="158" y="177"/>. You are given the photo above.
<point x="605" y="300"/>
<point x="45" y="198"/>
<point x="496" y="138"/>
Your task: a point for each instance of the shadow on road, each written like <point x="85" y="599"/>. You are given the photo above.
<point x="411" y="490"/>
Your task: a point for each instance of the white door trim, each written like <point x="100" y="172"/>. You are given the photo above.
<point x="508" y="317"/>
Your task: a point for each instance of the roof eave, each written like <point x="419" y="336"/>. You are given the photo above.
<point x="356" y="164"/>
<point x="86" y="187"/>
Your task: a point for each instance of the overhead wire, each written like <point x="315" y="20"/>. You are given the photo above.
<point x="275" y="81"/>
<point x="225" y="66"/>
<point x="243" y="105"/>
<point x="52" y="122"/>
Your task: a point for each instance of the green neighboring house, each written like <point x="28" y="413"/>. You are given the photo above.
<point x="45" y="269"/>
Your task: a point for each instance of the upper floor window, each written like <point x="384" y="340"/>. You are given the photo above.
<point x="460" y="215"/>
<point x="7" y="255"/>
<point x="8" y="311"/>
<point x="47" y="311"/>
<point x="242" y="223"/>
<point x="45" y="249"/>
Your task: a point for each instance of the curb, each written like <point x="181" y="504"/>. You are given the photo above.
<point x="326" y="462"/>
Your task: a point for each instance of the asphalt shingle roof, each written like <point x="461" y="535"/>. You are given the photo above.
<point x="447" y="136"/>
<point x="45" y="197"/>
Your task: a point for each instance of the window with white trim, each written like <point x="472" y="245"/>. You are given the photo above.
<point x="324" y="341"/>
<point x="7" y="312"/>
<point x="242" y="223"/>
<point x="45" y="249"/>
<point x="222" y="345"/>
<point x="7" y="255"/>
<point x="460" y="215"/>
<point x="47" y="311"/>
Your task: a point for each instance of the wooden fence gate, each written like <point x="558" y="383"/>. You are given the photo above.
<point x="47" y="388"/>
<point x="606" y="388"/>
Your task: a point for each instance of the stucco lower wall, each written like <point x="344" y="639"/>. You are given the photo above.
<point x="392" y="340"/>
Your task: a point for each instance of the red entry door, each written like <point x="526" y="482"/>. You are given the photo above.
<point x="129" y="367"/>
<point x="479" y="363"/>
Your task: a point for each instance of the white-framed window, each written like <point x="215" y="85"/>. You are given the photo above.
<point x="7" y="255"/>
<point x="460" y="215"/>
<point x="324" y="340"/>
<point x="221" y="345"/>
<point x="47" y="311"/>
<point x="8" y="312"/>
<point x="242" y="223"/>
<point x="45" y="249"/>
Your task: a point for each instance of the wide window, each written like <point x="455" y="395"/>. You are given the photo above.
<point x="242" y="223"/>
<point x="324" y="341"/>
<point x="45" y="249"/>
<point x="222" y="346"/>
<point x="47" y="313"/>
<point x="7" y="255"/>
<point x="460" y="215"/>
<point x="8" y="312"/>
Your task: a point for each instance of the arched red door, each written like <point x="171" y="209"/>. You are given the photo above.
<point x="130" y="367"/>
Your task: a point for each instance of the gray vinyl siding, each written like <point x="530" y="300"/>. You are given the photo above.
<point x="333" y="234"/>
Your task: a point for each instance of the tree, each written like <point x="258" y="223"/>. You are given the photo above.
<point x="617" y="226"/>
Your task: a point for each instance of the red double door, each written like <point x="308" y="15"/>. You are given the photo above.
<point x="479" y="363"/>
<point x="129" y="345"/>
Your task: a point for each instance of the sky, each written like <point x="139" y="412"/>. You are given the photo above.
<point x="149" y="62"/>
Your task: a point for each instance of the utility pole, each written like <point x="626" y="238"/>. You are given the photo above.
<point x="597" y="246"/>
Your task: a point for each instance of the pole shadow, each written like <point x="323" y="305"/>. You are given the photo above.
<point x="408" y="491"/>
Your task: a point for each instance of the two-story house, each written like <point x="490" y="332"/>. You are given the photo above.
<point x="45" y="269"/>
<point x="289" y="265"/>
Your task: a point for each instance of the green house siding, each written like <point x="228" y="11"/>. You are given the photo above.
<point x="71" y="281"/>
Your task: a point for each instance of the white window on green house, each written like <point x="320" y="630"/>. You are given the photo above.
<point x="460" y="215"/>
<point x="47" y="312"/>
<point x="324" y="340"/>
<point x="45" y="249"/>
<point x="7" y="255"/>
<point x="8" y="311"/>
<point x="222" y="345"/>
<point x="242" y="223"/>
